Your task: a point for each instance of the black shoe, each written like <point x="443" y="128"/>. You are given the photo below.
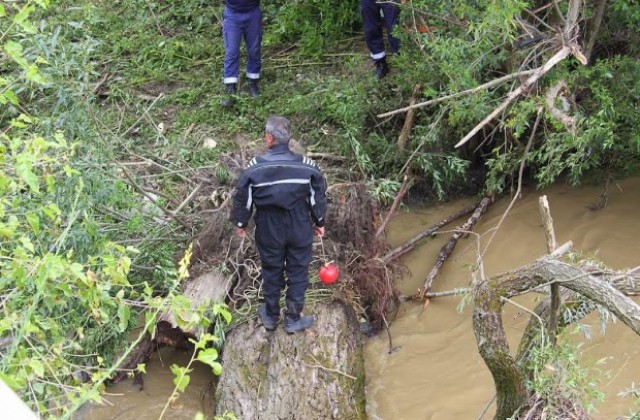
<point x="382" y="68"/>
<point x="269" y="323"/>
<point x="253" y="88"/>
<point x="291" y="326"/>
<point x="229" y="89"/>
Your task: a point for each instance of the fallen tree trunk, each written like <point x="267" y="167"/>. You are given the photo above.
<point x="318" y="374"/>
<point x="206" y="289"/>
<point x="489" y="297"/>
<point x="446" y="250"/>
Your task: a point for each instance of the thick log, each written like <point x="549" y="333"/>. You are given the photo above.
<point x="446" y="250"/>
<point x="489" y="297"/>
<point x="411" y="243"/>
<point x="318" y="374"/>
<point x="209" y="287"/>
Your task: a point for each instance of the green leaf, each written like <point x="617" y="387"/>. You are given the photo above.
<point x="150" y="320"/>
<point x="14" y="51"/>
<point x="208" y="356"/>
<point x="34" y="222"/>
<point x="27" y="244"/>
<point x="216" y="368"/>
<point x="24" y="171"/>
<point x="182" y="378"/>
<point x="21" y="19"/>
<point x="142" y="368"/>
<point x="124" y="313"/>
<point x="33" y="74"/>
<point x="224" y="311"/>
<point x="37" y="367"/>
<point x="15" y="383"/>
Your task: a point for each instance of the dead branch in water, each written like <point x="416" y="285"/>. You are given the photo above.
<point x="411" y="243"/>
<point x="430" y="295"/>
<point x="446" y="250"/>
<point x="406" y="184"/>
<point x="554" y="311"/>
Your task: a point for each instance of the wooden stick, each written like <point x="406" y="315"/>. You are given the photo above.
<point x="396" y="202"/>
<point x="525" y="87"/>
<point x="429" y="295"/>
<point x="409" y="120"/>
<point x="554" y="312"/>
<point x="411" y="243"/>
<point x="487" y="85"/>
<point x="188" y="199"/>
<point x="446" y="250"/>
<point x="143" y="114"/>
<point x="152" y="200"/>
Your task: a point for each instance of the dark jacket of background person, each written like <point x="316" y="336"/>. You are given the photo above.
<point x="242" y="5"/>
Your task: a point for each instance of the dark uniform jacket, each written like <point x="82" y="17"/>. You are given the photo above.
<point x="242" y="5"/>
<point x="281" y="180"/>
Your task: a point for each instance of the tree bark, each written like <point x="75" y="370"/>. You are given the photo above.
<point x="409" y="120"/>
<point x="318" y="374"/>
<point x="209" y="287"/>
<point x="550" y="234"/>
<point x="489" y="298"/>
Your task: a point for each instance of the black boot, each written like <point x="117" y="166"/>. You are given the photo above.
<point x="269" y="322"/>
<point x="293" y="319"/>
<point x="230" y="90"/>
<point x="303" y="322"/>
<point x="382" y="68"/>
<point x="253" y="88"/>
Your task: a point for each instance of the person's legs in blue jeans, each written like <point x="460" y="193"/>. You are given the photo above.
<point x="253" y="39"/>
<point x="232" y="35"/>
<point x="372" y="28"/>
<point x="391" y="14"/>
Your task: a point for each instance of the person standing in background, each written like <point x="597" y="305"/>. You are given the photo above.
<point x="377" y="16"/>
<point x="242" y="19"/>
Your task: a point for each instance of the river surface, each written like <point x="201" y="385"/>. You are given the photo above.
<point x="435" y="371"/>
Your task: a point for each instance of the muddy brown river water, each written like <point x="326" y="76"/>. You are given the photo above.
<point x="436" y="372"/>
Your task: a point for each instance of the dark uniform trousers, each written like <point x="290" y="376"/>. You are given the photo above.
<point x="374" y="23"/>
<point x="284" y="235"/>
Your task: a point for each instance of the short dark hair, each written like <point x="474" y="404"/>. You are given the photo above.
<point x="279" y="128"/>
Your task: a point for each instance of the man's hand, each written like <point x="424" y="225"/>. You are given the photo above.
<point x="240" y="232"/>
<point x="319" y="231"/>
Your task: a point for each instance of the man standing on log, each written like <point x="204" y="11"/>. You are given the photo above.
<point x="288" y="193"/>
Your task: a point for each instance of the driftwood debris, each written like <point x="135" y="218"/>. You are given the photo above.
<point x="411" y="243"/>
<point x="446" y="250"/>
<point x="410" y="118"/>
<point x="489" y="297"/>
<point x="547" y="223"/>
<point x="318" y="374"/>
<point x="209" y="287"/>
<point x="406" y="184"/>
